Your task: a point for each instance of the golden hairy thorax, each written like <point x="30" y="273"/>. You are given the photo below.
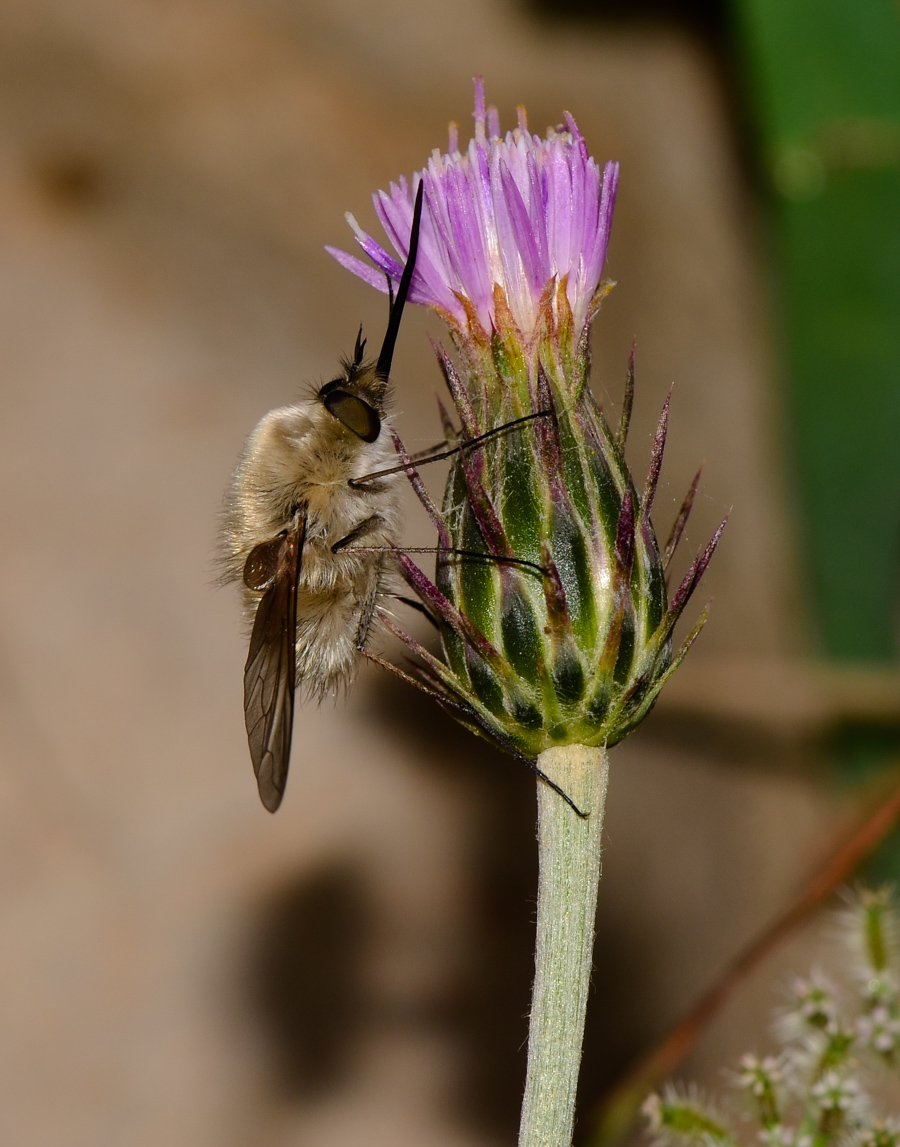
<point x="299" y="461"/>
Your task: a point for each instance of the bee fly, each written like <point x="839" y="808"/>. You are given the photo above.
<point x="292" y="524"/>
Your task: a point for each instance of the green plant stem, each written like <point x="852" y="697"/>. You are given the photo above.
<point x="569" y="852"/>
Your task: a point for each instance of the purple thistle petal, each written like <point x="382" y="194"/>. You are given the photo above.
<point x="470" y="239"/>
<point x="515" y="157"/>
<point x="478" y="178"/>
<point x="577" y="236"/>
<point x="522" y="228"/>
<point x="395" y="212"/>
<point x="478" y="114"/>
<point x="362" y="270"/>
<point x="461" y="251"/>
<point x="594" y="263"/>
<point x="537" y="211"/>
<point x="389" y="217"/>
<point x="592" y="191"/>
<point x="559" y="219"/>
<point x="385" y="262"/>
<point x="578" y="138"/>
<point x="515" y="284"/>
<point x="436" y="212"/>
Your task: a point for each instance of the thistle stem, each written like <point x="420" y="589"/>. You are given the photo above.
<point x="569" y="852"/>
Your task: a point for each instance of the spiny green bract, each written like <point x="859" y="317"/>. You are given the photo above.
<point x="567" y="630"/>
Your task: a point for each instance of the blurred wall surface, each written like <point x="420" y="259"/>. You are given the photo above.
<point x="177" y="967"/>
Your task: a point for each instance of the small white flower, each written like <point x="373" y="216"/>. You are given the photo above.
<point x="835" y="1092"/>
<point x="881" y="1133"/>
<point x="758" y="1075"/>
<point x="815" y="1002"/>
<point x="880" y="988"/>
<point x="777" y="1136"/>
<point x="878" y="1030"/>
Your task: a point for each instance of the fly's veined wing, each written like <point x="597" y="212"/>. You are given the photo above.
<point x="271" y="669"/>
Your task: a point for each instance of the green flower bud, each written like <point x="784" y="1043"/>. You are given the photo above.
<point x="571" y="595"/>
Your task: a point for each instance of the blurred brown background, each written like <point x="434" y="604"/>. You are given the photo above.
<point x="177" y="967"/>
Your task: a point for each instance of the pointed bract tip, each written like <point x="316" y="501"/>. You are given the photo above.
<point x="681" y="519"/>
<point x="697" y="569"/>
<point x="627" y="404"/>
<point x="656" y="458"/>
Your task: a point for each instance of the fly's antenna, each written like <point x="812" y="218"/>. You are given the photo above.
<point x="383" y="368"/>
<point x="360" y="349"/>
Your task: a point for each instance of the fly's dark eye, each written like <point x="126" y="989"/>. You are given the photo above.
<point x="354" y="413"/>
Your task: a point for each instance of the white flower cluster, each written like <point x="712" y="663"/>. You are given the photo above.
<point x="814" y="1093"/>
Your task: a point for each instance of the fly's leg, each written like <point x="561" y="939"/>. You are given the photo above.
<point x="367" y="612"/>
<point x="365" y="527"/>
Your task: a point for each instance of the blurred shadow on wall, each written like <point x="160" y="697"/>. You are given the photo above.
<point x="307" y="976"/>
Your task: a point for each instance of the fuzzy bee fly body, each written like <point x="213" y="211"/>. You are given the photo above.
<point x="310" y="549"/>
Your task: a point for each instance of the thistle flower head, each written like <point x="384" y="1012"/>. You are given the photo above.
<point x="550" y="591"/>
<point x="502" y="222"/>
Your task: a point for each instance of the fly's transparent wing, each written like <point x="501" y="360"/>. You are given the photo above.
<point x="271" y="670"/>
